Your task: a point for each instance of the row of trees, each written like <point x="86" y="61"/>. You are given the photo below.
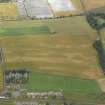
<point x="96" y="20"/>
<point x="16" y="77"/>
<point x="101" y="54"/>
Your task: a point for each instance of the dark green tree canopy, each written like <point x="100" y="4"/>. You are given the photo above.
<point x="96" y="20"/>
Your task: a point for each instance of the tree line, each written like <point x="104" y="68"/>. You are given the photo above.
<point x="21" y="76"/>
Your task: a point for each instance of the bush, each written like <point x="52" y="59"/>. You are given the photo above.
<point x="101" y="54"/>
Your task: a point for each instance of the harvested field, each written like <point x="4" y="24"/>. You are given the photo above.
<point x="56" y="55"/>
<point x="89" y="4"/>
<point x="8" y="11"/>
<point x="67" y="52"/>
<point x="92" y="4"/>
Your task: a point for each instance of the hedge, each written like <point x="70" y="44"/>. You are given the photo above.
<point x="101" y="54"/>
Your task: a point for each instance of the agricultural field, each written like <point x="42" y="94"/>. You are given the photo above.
<point x="74" y="89"/>
<point x="53" y="52"/>
<point x="11" y="11"/>
<point x="58" y="53"/>
<point x="89" y="5"/>
<point x="7" y="102"/>
<point x="92" y="4"/>
<point x="24" y="31"/>
<point x="45" y="57"/>
<point x="62" y="7"/>
<point x="46" y="82"/>
<point x="77" y="5"/>
<point x="61" y="53"/>
<point x="8" y="11"/>
<point x="50" y="8"/>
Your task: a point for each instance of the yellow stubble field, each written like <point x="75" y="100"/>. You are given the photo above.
<point x="8" y="11"/>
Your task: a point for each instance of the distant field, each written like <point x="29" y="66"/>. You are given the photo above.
<point x="77" y="5"/>
<point x="91" y="4"/>
<point x="8" y="11"/>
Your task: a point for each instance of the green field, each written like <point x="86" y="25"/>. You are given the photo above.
<point x="7" y="102"/>
<point x="24" y="31"/>
<point x="44" y="82"/>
